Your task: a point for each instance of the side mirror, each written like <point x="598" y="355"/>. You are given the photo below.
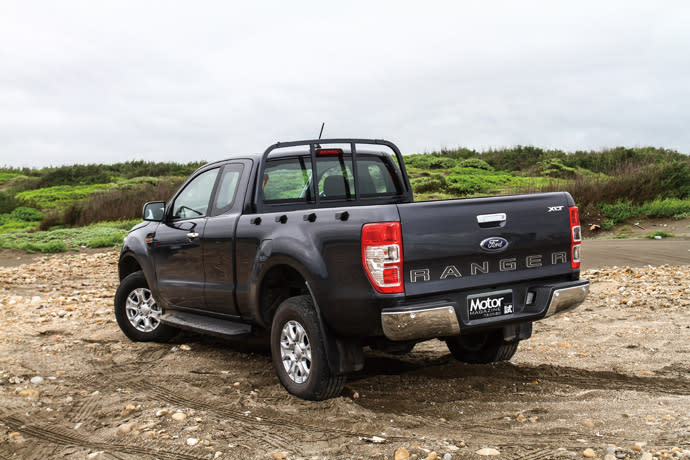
<point x="154" y="211"/>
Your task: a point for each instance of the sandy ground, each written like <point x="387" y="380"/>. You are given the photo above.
<point x="613" y="373"/>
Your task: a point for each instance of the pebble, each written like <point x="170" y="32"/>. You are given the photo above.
<point x="431" y="456"/>
<point x="447" y="457"/>
<point x="28" y="393"/>
<point x="487" y="451"/>
<point x="278" y="455"/>
<point x="218" y="454"/>
<point x="646" y="456"/>
<point x="401" y="454"/>
<point x="126" y="427"/>
<point x="130" y="407"/>
<point x="589" y="453"/>
<point x="36" y="380"/>
<point x="179" y="416"/>
<point x="192" y="441"/>
<point x="588" y="423"/>
<point x="185" y="347"/>
<point x="162" y="412"/>
<point x="638" y="446"/>
<point x="609" y="457"/>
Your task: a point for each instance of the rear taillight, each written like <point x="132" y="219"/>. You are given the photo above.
<point x="382" y="256"/>
<point x="575" y="237"/>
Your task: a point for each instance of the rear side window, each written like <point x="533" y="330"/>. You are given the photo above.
<point x="287" y="180"/>
<point x="375" y="178"/>
<point x="227" y="188"/>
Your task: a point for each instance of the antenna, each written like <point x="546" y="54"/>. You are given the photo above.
<point x="321" y="132"/>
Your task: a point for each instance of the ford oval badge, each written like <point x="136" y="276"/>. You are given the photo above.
<point x="494" y="244"/>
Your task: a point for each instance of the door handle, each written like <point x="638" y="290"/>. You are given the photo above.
<point x="192" y="235"/>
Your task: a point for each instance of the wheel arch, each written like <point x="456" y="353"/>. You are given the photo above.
<point x="280" y="281"/>
<point x="128" y="264"/>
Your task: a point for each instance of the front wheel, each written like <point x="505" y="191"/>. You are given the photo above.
<point x="137" y="312"/>
<point x="482" y="348"/>
<point x="299" y="354"/>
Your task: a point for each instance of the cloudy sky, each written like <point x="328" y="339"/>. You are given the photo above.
<point x="86" y="82"/>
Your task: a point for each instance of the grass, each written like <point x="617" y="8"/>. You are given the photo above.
<point x="105" y="234"/>
<point x="59" y="196"/>
<point x="660" y="233"/>
<point x="6" y="176"/>
<point x="623" y="210"/>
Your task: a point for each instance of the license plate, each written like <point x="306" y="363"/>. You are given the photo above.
<point x="488" y="305"/>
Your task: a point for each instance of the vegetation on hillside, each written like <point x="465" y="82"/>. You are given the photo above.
<point x="597" y="180"/>
<point x="610" y="186"/>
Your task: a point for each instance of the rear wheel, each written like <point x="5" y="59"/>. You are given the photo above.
<point x="137" y="312"/>
<point x="487" y="347"/>
<point x="299" y="354"/>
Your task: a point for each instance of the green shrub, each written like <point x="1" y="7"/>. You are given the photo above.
<point x="607" y="224"/>
<point x="7" y="202"/>
<point x="9" y="224"/>
<point x="105" y="234"/>
<point x="554" y="167"/>
<point x="52" y="247"/>
<point x="27" y="214"/>
<point x="429" y="161"/>
<point x="660" y="233"/>
<point x="59" y="196"/>
<point x="433" y="183"/>
<point x="622" y="210"/>
<point x="476" y="163"/>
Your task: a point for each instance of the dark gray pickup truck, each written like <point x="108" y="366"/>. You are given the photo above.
<point x="319" y="245"/>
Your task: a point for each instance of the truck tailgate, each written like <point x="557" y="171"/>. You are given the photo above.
<point x="443" y="250"/>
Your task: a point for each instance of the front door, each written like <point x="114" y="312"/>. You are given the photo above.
<point x="178" y="244"/>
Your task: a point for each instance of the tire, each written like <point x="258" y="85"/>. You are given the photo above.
<point x="482" y="348"/>
<point x="299" y="353"/>
<point x="137" y="312"/>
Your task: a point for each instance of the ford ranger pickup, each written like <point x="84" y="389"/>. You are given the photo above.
<point x="319" y="246"/>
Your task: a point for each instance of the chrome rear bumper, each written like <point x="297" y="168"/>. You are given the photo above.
<point x="425" y="323"/>
<point x="440" y="319"/>
<point x="567" y="298"/>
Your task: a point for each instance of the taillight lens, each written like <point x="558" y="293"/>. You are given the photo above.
<point x="575" y="237"/>
<point x="382" y="256"/>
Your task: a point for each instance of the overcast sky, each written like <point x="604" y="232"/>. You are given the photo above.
<point x="96" y="81"/>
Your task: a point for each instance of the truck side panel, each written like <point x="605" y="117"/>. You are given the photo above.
<point x="326" y="252"/>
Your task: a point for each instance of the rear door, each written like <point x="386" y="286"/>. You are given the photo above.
<point x="484" y="242"/>
<point x="177" y="245"/>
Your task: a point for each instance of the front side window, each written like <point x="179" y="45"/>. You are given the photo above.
<point x="194" y="199"/>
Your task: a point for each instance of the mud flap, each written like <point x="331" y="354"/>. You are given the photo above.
<point x="517" y="332"/>
<point x="344" y="356"/>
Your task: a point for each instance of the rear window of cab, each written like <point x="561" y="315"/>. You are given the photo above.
<point x="289" y="180"/>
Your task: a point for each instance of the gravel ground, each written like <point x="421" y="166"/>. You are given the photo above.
<point x="608" y="380"/>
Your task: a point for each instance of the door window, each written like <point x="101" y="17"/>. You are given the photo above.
<point x="194" y="199"/>
<point x="227" y="187"/>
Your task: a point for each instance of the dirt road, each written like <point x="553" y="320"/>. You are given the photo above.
<point x="635" y="252"/>
<point x="613" y="373"/>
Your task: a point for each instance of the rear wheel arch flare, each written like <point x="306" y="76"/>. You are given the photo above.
<point x="280" y="282"/>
